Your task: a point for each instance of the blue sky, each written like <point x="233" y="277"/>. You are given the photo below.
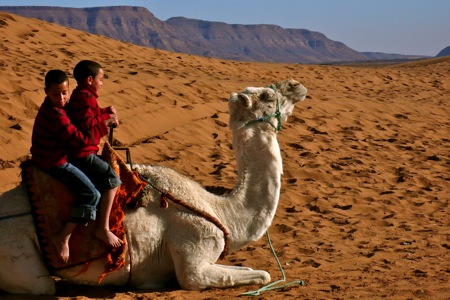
<point x="420" y="27"/>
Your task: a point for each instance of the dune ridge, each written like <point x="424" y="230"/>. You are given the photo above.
<point x="365" y="198"/>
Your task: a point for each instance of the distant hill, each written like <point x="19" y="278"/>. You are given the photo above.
<point x="264" y="43"/>
<point x="444" y="52"/>
<point x="390" y="56"/>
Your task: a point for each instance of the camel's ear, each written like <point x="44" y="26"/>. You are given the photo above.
<point x="244" y="100"/>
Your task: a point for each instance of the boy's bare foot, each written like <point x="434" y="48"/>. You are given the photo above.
<point x="108" y="237"/>
<point x="61" y="244"/>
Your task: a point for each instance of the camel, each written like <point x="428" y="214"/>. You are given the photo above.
<point x="175" y="245"/>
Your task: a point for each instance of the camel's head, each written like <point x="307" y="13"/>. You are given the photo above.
<point x="271" y="105"/>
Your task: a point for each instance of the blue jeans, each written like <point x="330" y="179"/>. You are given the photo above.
<point x="98" y="171"/>
<point x="87" y="195"/>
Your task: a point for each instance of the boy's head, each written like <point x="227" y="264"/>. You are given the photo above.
<point x="89" y="72"/>
<point x="57" y="87"/>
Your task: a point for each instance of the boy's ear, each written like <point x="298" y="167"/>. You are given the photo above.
<point x="89" y="80"/>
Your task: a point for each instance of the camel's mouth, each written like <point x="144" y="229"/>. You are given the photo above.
<point x="299" y="93"/>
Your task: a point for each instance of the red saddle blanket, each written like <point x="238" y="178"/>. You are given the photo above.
<point x="51" y="202"/>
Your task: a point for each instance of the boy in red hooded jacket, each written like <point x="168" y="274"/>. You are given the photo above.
<point x="53" y="134"/>
<point x="84" y="112"/>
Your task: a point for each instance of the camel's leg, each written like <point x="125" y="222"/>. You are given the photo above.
<point x="194" y="258"/>
<point x="219" y="276"/>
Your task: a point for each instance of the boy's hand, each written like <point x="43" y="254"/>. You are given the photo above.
<point x="112" y="121"/>
<point x="111" y="110"/>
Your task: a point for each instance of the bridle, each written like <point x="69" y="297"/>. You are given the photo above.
<point x="276" y="114"/>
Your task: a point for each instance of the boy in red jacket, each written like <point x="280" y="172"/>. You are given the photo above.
<point x="52" y="135"/>
<point x="86" y="115"/>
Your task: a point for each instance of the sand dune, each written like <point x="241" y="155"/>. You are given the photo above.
<point x="364" y="210"/>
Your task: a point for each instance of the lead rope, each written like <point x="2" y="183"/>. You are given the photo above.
<point x="272" y="286"/>
<point x="130" y="254"/>
<point x="266" y="119"/>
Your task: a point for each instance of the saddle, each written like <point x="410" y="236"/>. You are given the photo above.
<point x="51" y="202"/>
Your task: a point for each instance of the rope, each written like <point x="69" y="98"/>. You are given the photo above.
<point x="272" y="286"/>
<point x="15" y="216"/>
<point x="266" y="119"/>
<point x="165" y="196"/>
<point x="130" y="255"/>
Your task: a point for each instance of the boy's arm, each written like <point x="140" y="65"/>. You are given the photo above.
<point x="85" y="115"/>
<point x="75" y="137"/>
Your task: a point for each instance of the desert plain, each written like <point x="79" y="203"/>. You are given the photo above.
<point x="364" y="207"/>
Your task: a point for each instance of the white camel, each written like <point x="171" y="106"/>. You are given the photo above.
<point x="175" y="245"/>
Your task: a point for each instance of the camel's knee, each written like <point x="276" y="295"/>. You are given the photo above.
<point x="23" y="270"/>
<point x="27" y="281"/>
<point x="29" y="276"/>
<point x="191" y="282"/>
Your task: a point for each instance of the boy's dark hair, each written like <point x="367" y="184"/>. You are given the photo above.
<point x="84" y="69"/>
<point x="55" y="77"/>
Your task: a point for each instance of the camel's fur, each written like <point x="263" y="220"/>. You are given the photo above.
<point x="174" y="244"/>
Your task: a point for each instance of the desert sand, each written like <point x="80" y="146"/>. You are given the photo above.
<point x="364" y="208"/>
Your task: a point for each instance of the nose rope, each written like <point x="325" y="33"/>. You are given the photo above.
<point x="266" y="119"/>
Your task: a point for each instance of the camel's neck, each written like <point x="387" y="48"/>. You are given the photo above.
<point x="252" y="204"/>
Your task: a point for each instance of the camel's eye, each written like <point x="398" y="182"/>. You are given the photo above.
<point x="294" y="85"/>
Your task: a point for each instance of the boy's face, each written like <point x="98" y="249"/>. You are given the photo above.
<point x="96" y="82"/>
<point x="58" y="93"/>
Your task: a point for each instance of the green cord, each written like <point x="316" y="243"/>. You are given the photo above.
<point x="271" y="286"/>
<point x="276" y="114"/>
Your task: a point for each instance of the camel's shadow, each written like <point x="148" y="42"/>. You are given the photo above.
<point x="70" y="290"/>
<point x="65" y="289"/>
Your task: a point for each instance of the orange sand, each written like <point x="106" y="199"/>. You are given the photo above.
<point x="364" y="209"/>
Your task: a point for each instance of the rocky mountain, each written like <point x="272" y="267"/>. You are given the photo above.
<point x="137" y="25"/>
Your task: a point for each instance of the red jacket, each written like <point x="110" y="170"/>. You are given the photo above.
<point x="87" y="116"/>
<point x="53" y="135"/>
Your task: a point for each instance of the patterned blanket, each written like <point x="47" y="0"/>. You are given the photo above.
<point x="51" y="202"/>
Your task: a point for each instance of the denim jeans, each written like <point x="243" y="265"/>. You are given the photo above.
<point x="87" y="195"/>
<point x="98" y="171"/>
